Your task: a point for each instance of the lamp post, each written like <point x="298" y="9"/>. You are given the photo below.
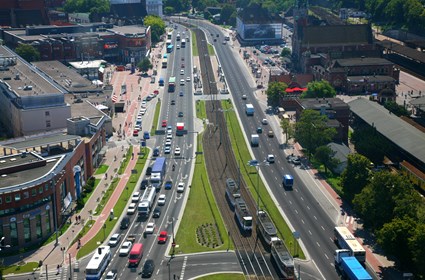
<point x="104" y="232"/>
<point x="257" y="164"/>
<point x="55" y="210"/>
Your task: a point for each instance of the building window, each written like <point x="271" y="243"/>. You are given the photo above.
<point x="48" y="226"/>
<point x="27" y="230"/>
<point x="13" y="234"/>
<point x="1" y="199"/>
<point x="17" y="197"/>
<point x="47" y="113"/>
<point x="38" y="226"/>
<point x="46" y="187"/>
<point x="48" y="124"/>
<point x="8" y="199"/>
<point x="26" y="195"/>
<point x="33" y="192"/>
<point x="40" y="190"/>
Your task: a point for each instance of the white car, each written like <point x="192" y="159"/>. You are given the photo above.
<point x="150" y="228"/>
<point x="182" y="72"/>
<point x="115" y="239"/>
<point x="131" y="209"/>
<point x="152" y="96"/>
<point x="270" y="158"/>
<point x="137" y="127"/>
<point x="182" y="82"/>
<point x="169" y="135"/>
<point x="264" y="121"/>
<point x="125" y="248"/>
<point x="180" y="187"/>
<point x="161" y="199"/>
<point x="111" y="276"/>
<point x="135" y="197"/>
<point x="168" y="142"/>
<point x="167" y="150"/>
<point x="188" y="79"/>
<point x="177" y="151"/>
<point x="143" y="104"/>
<point x="143" y="111"/>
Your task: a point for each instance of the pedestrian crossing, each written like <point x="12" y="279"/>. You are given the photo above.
<point x="58" y="274"/>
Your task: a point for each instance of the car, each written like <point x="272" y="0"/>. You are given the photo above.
<point x="150" y="228"/>
<point x="143" y="111"/>
<point x="163" y="236"/>
<point x="244" y="97"/>
<point x="125" y="248"/>
<point x="182" y="82"/>
<point x="270" y="158"/>
<point x="155" y="152"/>
<point x="264" y="121"/>
<point x="178" y="46"/>
<point x="182" y="72"/>
<point x="296" y="161"/>
<point x="182" y="66"/>
<point x="164" y="123"/>
<point x="156" y="212"/>
<point x="148" y="98"/>
<point x="188" y="79"/>
<point x="168" y="185"/>
<point x="169" y="136"/>
<point x="169" y="129"/>
<point x="177" y="151"/>
<point x="217" y="35"/>
<point x="135" y="197"/>
<point x="137" y="127"/>
<point x="167" y="150"/>
<point x="259" y="129"/>
<point x="173" y="102"/>
<point x="146" y="135"/>
<point x="135" y="132"/>
<point x="224" y="43"/>
<point x="148" y="268"/>
<point x="114" y="240"/>
<point x="181" y="93"/>
<point x="152" y="96"/>
<point x="156" y="92"/>
<point x="180" y="115"/>
<point x="270" y="134"/>
<point x="168" y="142"/>
<point x="180" y="187"/>
<point x="162" y="199"/>
<point x="215" y="40"/>
<point x="131" y="209"/>
<point x="111" y="275"/>
<point x="144" y="184"/>
<point x="149" y="171"/>
<point x="143" y="104"/>
<point x="125" y="223"/>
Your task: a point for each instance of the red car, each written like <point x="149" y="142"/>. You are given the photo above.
<point x="162" y="238"/>
<point x="156" y="92"/>
<point x="135" y="132"/>
<point x="164" y="123"/>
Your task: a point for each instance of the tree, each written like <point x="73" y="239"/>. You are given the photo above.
<point x="312" y="131"/>
<point x="157" y="27"/>
<point x="274" y="92"/>
<point x="286" y="52"/>
<point x="92" y="6"/>
<point x="319" y="89"/>
<point x="370" y="143"/>
<point x="325" y="155"/>
<point x="226" y="13"/>
<point x="168" y="10"/>
<point x="144" y="65"/>
<point x="27" y="52"/>
<point x="417" y="248"/>
<point x="396" y="109"/>
<point x="356" y="176"/>
<point x="288" y="128"/>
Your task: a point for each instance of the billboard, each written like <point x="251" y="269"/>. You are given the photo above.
<point x="260" y="31"/>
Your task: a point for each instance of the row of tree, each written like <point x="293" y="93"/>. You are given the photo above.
<point x="391" y="208"/>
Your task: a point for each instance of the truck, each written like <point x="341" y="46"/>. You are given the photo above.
<point x="158" y="171"/>
<point x="255" y="140"/>
<point x="288" y="181"/>
<point x="249" y="109"/>
<point x="146" y="202"/>
<point x="349" y="266"/>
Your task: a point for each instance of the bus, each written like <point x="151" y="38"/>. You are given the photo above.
<point x="98" y="263"/>
<point x="136" y="254"/>
<point x="346" y="240"/>
<point x="164" y="63"/>
<point x="170" y="48"/>
<point x="171" y="84"/>
<point x="167" y="43"/>
<point x="183" y="43"/>
<point x="169" y="35"/>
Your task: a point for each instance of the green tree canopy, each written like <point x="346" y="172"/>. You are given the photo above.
<point x="286" y="52"/>
<point x="274" y="92"/>
<point x="325" y="155"/>
<point x="157" y="27"/>
<point x="370" y="143"/>
<point x="27" y="52"/>
<point x="288" y="128"/>
<point x="144" y="65"/>
<point x="226" y="14"/>
<point x="168" y="10"/>
<point x="319" y="89"/>
<point x="312" y="131"/>
<point x="396" y="109"/>
<point x="356" y="176"/>
<point x="87" y="6"/>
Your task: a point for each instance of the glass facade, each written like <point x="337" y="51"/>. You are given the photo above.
<point x="38" y="226"/>
<point x="48" y="226"/>
<point x="13" y="234"/>
<point x="27" y="230"/>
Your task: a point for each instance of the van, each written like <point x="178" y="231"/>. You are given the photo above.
<point x="136" y="254"/>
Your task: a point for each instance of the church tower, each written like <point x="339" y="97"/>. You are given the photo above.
<point x="300" y="21"/>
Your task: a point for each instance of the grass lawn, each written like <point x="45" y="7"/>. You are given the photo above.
<point x="16" y="269"/>
<point x="195" y="51"/>
<point x="200" y="110"/>
<point x="250" y="175"/>
<point x="210" y="50"/>
<point x="102" y="169"/>
<point x="88" y="195"/>
<point x="156" y="117"/>
<point x="118" y="209"/>
<point x="127" y="158"/>
<point x="106" y="196"/>
<point x="224" y="276"/>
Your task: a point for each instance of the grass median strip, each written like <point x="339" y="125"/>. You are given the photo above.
<point x="195" y="51"/>
<point x="127" y="158"/>
<point x="17" y="269"/>
<point x="102" y="169"/>
<point x="250" y="175"/>
<point x="118" y="210"/>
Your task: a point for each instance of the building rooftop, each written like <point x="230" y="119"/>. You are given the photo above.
<point x="336" y="35"/>
<point x="51" y="139"/>
<point x="392" y="127"/>
<point x="22" y="78"/>
<point x="366" y="61"/>
<point x="317" y="103"/>
<point x="87" y="64"/>
<point x="370" y="79"/>
<point x="87" y="106"/>
<point x="129" y="30"/>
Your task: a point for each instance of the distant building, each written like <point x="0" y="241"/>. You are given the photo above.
<point x="341" y="154"/>
<point x="18" y="13"/>
<point x="154" y="7"/>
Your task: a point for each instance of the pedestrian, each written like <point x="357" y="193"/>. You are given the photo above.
<point x="58" y="269"/>
<point x="76" y="219"/>
<point x="79" y="218"/>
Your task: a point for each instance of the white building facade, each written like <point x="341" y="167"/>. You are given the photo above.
<point x="154" y="7"/>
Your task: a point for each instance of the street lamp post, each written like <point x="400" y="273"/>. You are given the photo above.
<point x="104" y="232"/>
<point x="55" y="210"/>
<point x="257" y="164"/>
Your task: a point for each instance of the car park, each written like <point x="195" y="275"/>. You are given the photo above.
<point x="125" y="222"/>
<point x="180" y="187"/>
<point x="150" y="228"/>
<point x="135" y="197"/>
<point x="163" y="236"/>
<point x="125" y="248"/>
<point x="177" y="151"/>
<point x="148" y="268"/>
<point x="162" y="199"/>
<point x="156" y="212"/>
<point x="131" y="209"/>
<point x="114" y="240"/>
<point x="168" y="185"/>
